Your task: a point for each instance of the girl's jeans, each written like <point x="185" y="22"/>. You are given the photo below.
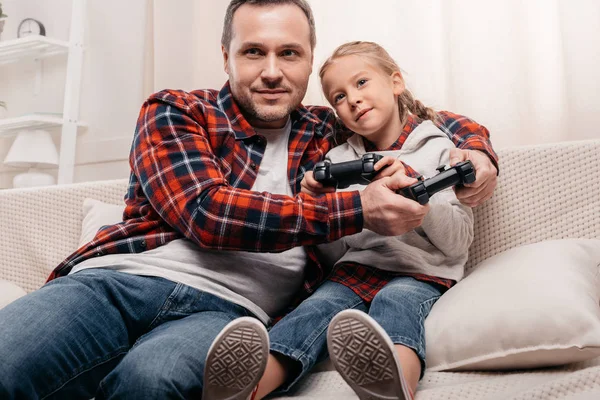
<point x="400" y="308"/>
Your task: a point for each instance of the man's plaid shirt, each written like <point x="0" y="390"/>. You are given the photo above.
<point x="193" y="160"/>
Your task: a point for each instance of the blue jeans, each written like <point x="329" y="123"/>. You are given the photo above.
<point x="400" y="307"/>
<point x="110" y="335"/>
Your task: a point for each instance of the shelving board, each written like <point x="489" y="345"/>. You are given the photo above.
<point x="31" y="47"/>
<point x="9" y="126"/>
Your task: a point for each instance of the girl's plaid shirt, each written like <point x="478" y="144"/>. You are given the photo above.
<point x="193" y="160"/>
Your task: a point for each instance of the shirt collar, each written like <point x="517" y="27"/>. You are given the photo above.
<point x="412" y="122"/>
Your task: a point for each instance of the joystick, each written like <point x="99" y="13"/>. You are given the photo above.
<point x="421" y="191"/>
<point x="344" y="174"/>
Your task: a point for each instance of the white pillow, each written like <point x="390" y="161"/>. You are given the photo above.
<point x="531" y="306"/>
<point x="97" y="214"/>
<point x="9" y="292"/>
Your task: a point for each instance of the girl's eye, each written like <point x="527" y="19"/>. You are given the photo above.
<point x="361" y="82"/>
<point x="338" y="98"/>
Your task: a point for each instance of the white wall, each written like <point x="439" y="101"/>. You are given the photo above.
<point x="192" y="59"/>
<point x="527" y="70"/>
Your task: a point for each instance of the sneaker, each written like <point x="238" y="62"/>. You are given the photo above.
<point x="236" y="360"/>
<point x="365" y="357"/>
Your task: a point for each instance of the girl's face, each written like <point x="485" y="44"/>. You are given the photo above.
<point x="365" y="98"/>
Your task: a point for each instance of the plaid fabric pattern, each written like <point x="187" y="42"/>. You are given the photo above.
<point x="194" y="158"/>
<point x="411" y="123"/>
<point x="366" y="281"/>
<point x="466" y="134"/>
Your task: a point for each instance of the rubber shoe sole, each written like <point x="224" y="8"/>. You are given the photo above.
<point x="365" y="357"/>
<point x="236" y="360"/>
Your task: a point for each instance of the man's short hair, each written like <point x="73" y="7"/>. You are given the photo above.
<point x="235" y="4"/>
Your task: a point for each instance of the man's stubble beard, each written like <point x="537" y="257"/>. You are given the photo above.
<point x="253" y="111"/>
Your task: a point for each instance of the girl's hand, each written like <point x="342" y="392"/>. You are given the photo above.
<point x="311" y="186"/>
<point x="388" y="166"/>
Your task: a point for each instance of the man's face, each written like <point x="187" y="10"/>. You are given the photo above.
<point x="268" y="62"/>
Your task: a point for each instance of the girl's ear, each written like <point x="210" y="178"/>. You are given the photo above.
<point x="398" y="83"/>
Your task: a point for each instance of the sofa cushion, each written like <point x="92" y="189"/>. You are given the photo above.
<point x="532" y="306"/>
<point x="96" y="214"/>
<point x="9" y="292"/>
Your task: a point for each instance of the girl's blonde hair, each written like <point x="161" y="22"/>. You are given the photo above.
<point x="406" y="102"/>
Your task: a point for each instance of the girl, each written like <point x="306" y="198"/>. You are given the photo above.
<point x="381" y="288"/>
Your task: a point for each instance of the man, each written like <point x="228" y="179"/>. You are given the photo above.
<point x="215" y="231"/>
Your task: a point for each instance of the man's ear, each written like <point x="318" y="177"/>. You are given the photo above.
<point x="225" y="59"/>
<point x="398" y="83"/>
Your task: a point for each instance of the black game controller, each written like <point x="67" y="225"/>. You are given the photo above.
<point x="344" y="174"/>
<point x="421" y="191"/>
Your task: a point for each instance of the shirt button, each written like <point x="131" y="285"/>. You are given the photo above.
<point x="253" y="166"/>
<point x="98" y="254"/>
<point x="143" y="243"/>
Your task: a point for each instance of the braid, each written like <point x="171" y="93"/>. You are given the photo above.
<point x="407" y="103"/>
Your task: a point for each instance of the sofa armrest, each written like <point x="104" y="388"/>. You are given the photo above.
<point x="39" y="227"/>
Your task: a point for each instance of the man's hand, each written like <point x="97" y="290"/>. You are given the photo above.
<point x="388" y="213"/>
<point x="474" y="194"/>
<point x="311" y="186"/>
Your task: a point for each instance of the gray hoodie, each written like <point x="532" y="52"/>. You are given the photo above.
<point x="439" y="247"/>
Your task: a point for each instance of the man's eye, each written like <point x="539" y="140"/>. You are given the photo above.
<point x="289" y="53"/>
<point x="252" y="52"/>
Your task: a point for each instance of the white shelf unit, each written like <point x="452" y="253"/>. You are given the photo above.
<point x="9" y="126"/>
<point x="40" y="47"/>
<point x="32" y="47"/>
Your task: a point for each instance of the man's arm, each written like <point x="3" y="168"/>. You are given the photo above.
<point x="473" y="143"/>
<point x="467" y="134"/>
<point x="184" y="182"/>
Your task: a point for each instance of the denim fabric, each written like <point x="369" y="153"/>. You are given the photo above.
<point x="400" y="308"/>
<point x="302" y="334"/>
<point x="109" y="334"/>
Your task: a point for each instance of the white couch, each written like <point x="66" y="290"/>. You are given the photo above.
<point x="544" y="192"/>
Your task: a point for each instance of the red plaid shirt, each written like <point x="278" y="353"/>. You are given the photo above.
<point x="193" y="161"/>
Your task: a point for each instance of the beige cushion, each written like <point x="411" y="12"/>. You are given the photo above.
<point x="9" y="292"/>
<point x="97" y="214"/>
<point x="531" y="306"/>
